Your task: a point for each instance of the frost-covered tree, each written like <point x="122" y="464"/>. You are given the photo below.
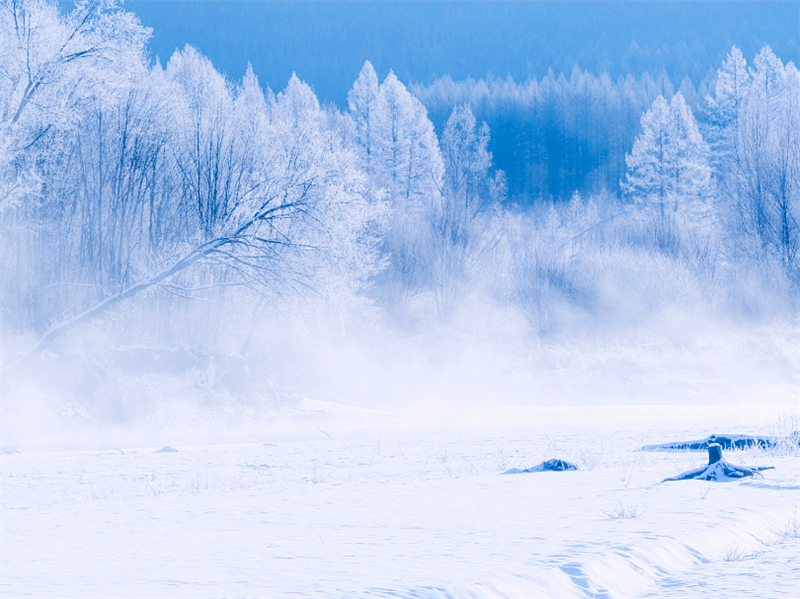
<point x="333" y="234"/>
<point x="651" y="161"/>
<point x="466" y="160"/>
<point x="404" y="164"/>
<point x="764" y="179"/>
<point x="581" y="214"/>
<point x="691" y="170"/>
<point x="362" y="102"/>
<point x="668" y="166"/>
<point x="55" y="69"/>
<point x="52" y="62"/>
<point x="121" y="193"/>
<point x="768" y="76"/>
<point x="455" y="218"/>
<point x="725" y="107"/>
<point x="122" y="179"/>
<point x="214" y="159"/>
<point x="407" y="157"/>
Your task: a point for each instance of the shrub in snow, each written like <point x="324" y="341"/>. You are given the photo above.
<point x="553" y="465"/>
<point x="622" y="511"/>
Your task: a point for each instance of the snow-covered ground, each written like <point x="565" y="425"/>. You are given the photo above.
<point x="327" y="502"/>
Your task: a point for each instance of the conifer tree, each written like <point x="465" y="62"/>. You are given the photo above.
<point x="668" y="166"/>
<point x="725" y="108"/>
<point x="407" y="158"/>
<point x="692" y="173"/>
<point x="398" y="145"/>
<point x="650" y="161"/>
<point x="362" y="101"/>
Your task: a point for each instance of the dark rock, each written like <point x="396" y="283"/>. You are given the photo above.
<point x="546" y="466"/>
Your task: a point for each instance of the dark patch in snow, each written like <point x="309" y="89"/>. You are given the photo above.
<point x="726" y="442"/>
<point x="553" y="465"/>
<point x="165" y="449"/>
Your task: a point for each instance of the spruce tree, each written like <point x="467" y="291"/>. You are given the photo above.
<point x="668" y="166"/>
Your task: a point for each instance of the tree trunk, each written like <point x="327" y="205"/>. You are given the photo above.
<point x="714" y="453"/>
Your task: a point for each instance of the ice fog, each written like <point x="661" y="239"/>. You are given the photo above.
<point x="185" y="255"/>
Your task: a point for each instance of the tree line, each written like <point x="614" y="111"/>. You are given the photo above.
<point x="559" y="134"/>
<point x="121" y="177"/>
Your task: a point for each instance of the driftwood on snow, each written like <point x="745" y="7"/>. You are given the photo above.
<point x="553" y="465"/>
<point x="718" y="469"/>
<point x="726" y="442"/>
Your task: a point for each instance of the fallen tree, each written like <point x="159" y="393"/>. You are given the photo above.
<point x="222" y="249"/>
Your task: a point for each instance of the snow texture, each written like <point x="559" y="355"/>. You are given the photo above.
<point x="392" y="511"/>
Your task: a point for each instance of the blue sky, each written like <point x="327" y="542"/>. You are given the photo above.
<point x="327" y="42"/>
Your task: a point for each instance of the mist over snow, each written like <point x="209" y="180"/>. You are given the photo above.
<point x="320" y="248"/>
<point x="185" y="252"/>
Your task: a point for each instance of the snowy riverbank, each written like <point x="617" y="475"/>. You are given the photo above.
<point x="400" y="511"/>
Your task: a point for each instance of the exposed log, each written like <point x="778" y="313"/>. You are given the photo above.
<point x="714" y="453"/>
<point x="718" y="470"/>
<point x="727" y="442"/>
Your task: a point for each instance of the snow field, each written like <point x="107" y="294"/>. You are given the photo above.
<point x="401" y="514"/>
